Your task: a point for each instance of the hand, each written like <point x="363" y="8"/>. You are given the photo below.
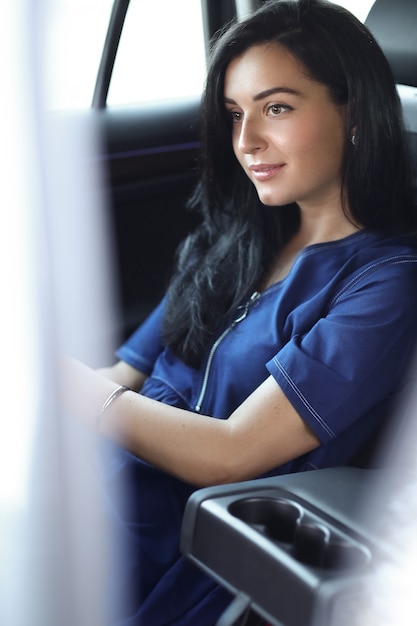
<point x="83" y="391"/>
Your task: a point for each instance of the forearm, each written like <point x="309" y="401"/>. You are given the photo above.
<point x="263" y="432"/>
<point x="193" y="448"/>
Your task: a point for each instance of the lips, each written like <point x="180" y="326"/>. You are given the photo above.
<point x="265" y="171"/>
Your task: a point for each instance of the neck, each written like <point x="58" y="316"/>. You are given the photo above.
<point x="321" y="226"/>
<point x="310" y="232"/>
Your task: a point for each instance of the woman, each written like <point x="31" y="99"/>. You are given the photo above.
<point x="292" y="312"/>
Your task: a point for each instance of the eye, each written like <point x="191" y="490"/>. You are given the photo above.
<point x="236" y="116"/>
<point x="277" y="109"/>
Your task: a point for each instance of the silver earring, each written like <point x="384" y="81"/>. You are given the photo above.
<point x="354" y="140"/>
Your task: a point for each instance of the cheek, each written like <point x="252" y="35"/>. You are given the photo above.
<point x="295" y="139"/>
<point x="322" y="144"/>
<point x="332" y="149"/>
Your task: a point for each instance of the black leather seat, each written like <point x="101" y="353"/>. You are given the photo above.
<point x="394" y="25"/>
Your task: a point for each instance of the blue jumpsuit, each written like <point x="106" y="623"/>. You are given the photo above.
<point x="336" y="334"/>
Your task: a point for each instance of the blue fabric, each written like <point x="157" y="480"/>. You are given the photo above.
<point x="336" y="335"/>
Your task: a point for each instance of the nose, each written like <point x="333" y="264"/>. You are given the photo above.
<point x="251" y="137"/>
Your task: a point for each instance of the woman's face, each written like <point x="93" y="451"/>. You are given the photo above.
<point x="288" y="135"/>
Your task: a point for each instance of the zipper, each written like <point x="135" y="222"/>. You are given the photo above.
<point x="245" y="310"/>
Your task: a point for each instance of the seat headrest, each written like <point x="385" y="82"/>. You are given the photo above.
<point x="394" y="25"/>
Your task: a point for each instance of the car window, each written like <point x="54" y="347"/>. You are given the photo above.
<point x="73" y="43"/>
<point x="161" y="53"/>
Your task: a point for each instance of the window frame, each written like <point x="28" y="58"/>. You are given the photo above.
<point x="108" y="57"/>
<point x="215" y="16"/>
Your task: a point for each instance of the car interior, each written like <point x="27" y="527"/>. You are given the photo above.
<point x="296" y="550"/>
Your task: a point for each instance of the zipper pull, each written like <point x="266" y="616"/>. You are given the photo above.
<point x="254" y="297"/>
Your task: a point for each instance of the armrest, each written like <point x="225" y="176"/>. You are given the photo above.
<point x="297" y="547"/>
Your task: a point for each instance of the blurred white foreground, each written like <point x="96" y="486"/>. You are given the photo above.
<point x="390" y="596"/>
<point x="55" y="277"/>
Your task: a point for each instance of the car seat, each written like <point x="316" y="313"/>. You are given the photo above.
<point x="394" y="25"/>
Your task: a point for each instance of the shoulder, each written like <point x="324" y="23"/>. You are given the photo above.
<point x="360" y="255"/>
<point x="328" y="267"/>
<point x="378" y="284"/>
<point x="365" y="246"/>
<point x="381" y="259"/>
<point x="363" y="267"/>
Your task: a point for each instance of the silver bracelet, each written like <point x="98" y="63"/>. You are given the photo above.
<point x="113" y="396"/>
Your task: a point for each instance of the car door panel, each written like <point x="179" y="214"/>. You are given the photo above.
<point x="150" y="158"/>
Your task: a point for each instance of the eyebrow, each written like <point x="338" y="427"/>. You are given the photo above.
<point x="268" y="92"/>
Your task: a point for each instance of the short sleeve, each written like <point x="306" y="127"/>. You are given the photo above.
<point x="354" y="356"/>
<point x="144" y="346"/>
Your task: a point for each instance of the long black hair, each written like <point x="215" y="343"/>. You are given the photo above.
<point x="223" y="262"/>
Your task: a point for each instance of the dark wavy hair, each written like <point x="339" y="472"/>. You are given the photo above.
<point x="223" y="261"/>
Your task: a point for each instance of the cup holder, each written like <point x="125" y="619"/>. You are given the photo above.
<point x="308" y="540"/>
<point x="316" y="545"/>
<point x="277" y="518"/>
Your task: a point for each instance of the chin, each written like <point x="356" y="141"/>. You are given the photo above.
<point x="269" y="200"/>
